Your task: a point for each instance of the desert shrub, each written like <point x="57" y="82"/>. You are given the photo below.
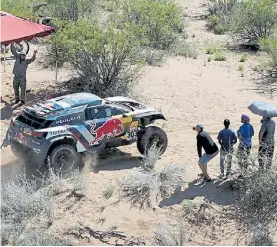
<point x="104" y="59"/>
<point x="152" y="57"/>
<point x="168" y="235"/>
<point x="219" y="14"/>
<point x="256" y="200"/>
<point x="27" y="208"/>
<point x="185" y="49"/>
<point x="70" y="9"/>
<point x="219" y="56"/>
<point x="243" y="58"/>
<point x="145" y="186"/>
<point x="40" y="237"/>
<point x="240" y="67"/>
<point x="20" y="203"/>
<point x="261" y="237"/>
<point x="211" y="49"/>
<point x="268" y="78"/>
<point x="158" y="22"/>
<point x="252" y="20"/>
<point x="19" y="8"/>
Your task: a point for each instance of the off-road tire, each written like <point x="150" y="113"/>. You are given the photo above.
<point x="73" y="159"/>
<point x="145" y="136"/>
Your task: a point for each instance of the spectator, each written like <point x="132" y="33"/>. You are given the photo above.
<point x="19" y="71"/>
<point x="226" y="138"/>
<point x="245" y="134"/>
<point x="266" y="143"/>
<point x="205" y="141"/>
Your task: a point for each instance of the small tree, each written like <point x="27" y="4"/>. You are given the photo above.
<point x="157" y="21"/>
<point x="267" y="83"/>
<point x="104" y="59"/>
<point x="219" y="14"/>
<point x="251" y="20"/>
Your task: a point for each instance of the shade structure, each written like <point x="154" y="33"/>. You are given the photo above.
<point x="263" y="108"/>
<point x="15" y="29"/>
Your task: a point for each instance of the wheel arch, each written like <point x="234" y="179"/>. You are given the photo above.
<point x="62" y="140"/>
<point x="149" y="119"/>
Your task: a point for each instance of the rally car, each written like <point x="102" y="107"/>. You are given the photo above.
<point x="57" y="131"/>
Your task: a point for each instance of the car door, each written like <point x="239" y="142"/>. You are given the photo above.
<point x="106" y="122"/>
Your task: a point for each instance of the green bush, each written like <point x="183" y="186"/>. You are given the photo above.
<point x="211" y="49"/>
<point x="104" y="59"/>
<point x="240" y="67"/>
<point x="157" y="22"/>
<point x="19" y="8"/>
<point x="70" y="9"/>
<point x="270" y="46"/>
<point x="251" y="20"/>
<point x="219" y="14"/>
<point x="243" y="58"/>
<point x="219" y="56"/>
<point x="268" y="80"/>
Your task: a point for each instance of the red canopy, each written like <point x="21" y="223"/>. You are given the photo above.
<point x="15" y="29"/>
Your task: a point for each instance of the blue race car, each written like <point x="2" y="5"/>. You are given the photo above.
<point x="57" y="131"/>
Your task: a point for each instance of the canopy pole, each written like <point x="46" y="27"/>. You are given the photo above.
<point x="4" y="58"/>
<point x="56" y="76"/>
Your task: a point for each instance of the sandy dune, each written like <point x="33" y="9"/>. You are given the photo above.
<point x="188" y="91"/>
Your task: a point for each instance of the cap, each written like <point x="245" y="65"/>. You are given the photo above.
<point x="245" y="117"/>
<point x="199" y="127"/>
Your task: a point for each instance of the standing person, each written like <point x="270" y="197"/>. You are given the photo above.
<point x="266" y="142"/>
<point x="19" y="71"/>
<point x="226" y="138"/>
<point x="205" y="141"/>
<point x="245" y="134"/>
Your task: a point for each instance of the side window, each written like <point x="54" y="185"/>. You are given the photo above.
<point x="116" y="111"/>
<point x="102" y="112"/>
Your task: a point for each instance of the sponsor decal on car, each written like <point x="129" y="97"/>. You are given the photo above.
<point x="111" y="128"/>
<point x="58" y="132"/>
<point x="66" y="120"/>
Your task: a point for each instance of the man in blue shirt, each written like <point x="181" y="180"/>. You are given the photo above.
<point x="245" y="134"/>
<point x="226" y="138"/>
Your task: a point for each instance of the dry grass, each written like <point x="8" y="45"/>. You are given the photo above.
<point x="145" y="186"/>
<point x="167" y="235"/>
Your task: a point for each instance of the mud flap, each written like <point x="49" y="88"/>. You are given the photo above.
<point x="6" y="142"/>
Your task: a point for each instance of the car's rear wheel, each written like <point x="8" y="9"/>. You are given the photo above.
<point x="152" y="136"/>
<point x="64" y="158"/>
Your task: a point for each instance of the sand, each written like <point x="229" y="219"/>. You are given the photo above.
<point x="188" y="91"/>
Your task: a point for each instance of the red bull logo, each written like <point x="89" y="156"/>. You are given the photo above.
<point x="20" y="138"/>
<point x="110" y="128"/>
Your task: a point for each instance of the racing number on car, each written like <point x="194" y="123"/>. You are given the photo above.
<point x="132" y="134"/>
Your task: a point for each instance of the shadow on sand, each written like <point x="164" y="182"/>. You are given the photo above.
<point x="211" y="191"/>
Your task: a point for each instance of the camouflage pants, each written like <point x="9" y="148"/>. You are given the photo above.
<point x="19" y="82"/>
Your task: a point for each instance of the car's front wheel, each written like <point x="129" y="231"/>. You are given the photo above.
<point x="64" y="158"/>
<point x="152" y="136"/>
